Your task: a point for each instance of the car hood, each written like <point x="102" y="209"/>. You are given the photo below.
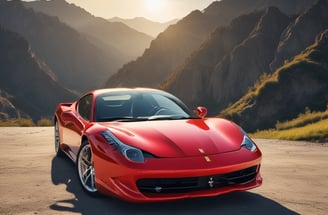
<point x="180" y="138"/>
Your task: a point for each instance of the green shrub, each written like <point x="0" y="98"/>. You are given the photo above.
<point x="25" y="122"/>
<point x="21" y="122"/>
<point x="44" y="122"/>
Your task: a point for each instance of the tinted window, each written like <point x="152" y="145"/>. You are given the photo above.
<point x="84" y="107"/>
<point x="138" y="105"/>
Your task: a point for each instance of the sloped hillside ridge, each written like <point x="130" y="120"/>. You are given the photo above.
<point x="226" y="9"/>
<point x="121" y="41"/>
<point x="27" y="85"/>
<point x="301" y="33"/>
<point x="231" y="60"/>
<point x="77" y="64"/>
<point x="147" y="26"/>
<point x="216" y="81"/>
<point x="7" y="109"/>
<point x="164" y="53"/>
<point x="300" y="84"/>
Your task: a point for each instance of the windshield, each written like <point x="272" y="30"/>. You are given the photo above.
<point x="139" y="105"/>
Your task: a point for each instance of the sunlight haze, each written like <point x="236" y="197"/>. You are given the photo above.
<point x="156" y="10"/>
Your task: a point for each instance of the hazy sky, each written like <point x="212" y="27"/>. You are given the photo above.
<point x="157" y="10"/>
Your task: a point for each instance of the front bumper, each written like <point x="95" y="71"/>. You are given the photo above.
<point x="177" y="178"/>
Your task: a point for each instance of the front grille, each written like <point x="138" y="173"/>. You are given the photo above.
<point x="184" y="185"/>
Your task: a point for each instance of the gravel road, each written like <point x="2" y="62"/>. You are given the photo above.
<point x="33" y="181"/>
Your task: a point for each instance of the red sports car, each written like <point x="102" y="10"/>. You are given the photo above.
<point x="145" y="145"/>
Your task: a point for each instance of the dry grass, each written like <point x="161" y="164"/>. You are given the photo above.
<point x="23" y="122"/>
<point x="44" y="122"/>
<point x="311" y="126"/>
<point x="303" y="119"/>
<point x="317" y="131"/>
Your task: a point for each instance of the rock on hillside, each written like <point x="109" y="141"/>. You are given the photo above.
<point x="27" y="85"/>
<point x="301" y="83"/>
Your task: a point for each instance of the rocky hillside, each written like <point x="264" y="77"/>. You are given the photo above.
<point x="164" y="54"/>
<point x="300" y="84"/>
<point x="7" y="109"/>
<point x="223" y="69"/>
<point x="301" y="33"/>
<point x="231" y="60"/>
<point x="27" y="86"/>
<point x="125" y="42"/>
<point x="227" y="8"/>
<point x="76" y="62"/>
<point x="172" y="47"/>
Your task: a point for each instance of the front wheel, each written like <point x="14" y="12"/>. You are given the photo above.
<point x="85" y="169"/>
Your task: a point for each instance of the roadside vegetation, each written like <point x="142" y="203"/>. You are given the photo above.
<point x="311" y="126"/>
<point x="23" y="122"/>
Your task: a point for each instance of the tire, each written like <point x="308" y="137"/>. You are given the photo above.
<point x="85" y="169"/>
<point x="58" y="151"/>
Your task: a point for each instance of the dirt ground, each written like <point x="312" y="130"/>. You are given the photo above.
<point x="33" y="181"/>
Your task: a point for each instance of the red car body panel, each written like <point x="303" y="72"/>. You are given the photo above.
<point x="186" y="148"/>
<point x="179" y="138"/>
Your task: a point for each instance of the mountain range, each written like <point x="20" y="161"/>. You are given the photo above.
<point x="228" y="58"/>
<point x="77" y="63"/>
<point x="126" y="43"/>
<point x="253" y="61"/>
<point x="171" y="48"/>
<point x="234" y="58"/>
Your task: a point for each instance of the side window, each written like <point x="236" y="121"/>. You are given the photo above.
<point x="84" y="107"/>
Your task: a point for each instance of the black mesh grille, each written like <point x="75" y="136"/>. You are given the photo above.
<point x="184" y="185"/>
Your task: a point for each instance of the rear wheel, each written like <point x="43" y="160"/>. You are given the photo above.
<point x="59" y="152"/>
<point x="85" y="169"/>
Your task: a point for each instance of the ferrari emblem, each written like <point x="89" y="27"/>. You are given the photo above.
<point x="207" y="159"/>
<point x="211" y="182"/>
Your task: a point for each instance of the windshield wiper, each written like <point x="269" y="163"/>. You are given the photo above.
<point x="168" y="117"/>
<point x="122" y="119"/>
<point x="151" y="118"/>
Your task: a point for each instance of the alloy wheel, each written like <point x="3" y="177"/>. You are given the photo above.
<point x="86" y="169"/>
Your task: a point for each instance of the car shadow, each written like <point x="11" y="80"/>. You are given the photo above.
<point x="63" y="172"/>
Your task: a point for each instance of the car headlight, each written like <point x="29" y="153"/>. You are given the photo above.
<point x="131" y="153"/>
<point x="248" y="142"/>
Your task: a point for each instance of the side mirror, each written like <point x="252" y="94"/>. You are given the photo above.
<point x="201" y="112"/>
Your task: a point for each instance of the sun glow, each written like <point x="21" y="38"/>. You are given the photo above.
<point x="155" y="6"/>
